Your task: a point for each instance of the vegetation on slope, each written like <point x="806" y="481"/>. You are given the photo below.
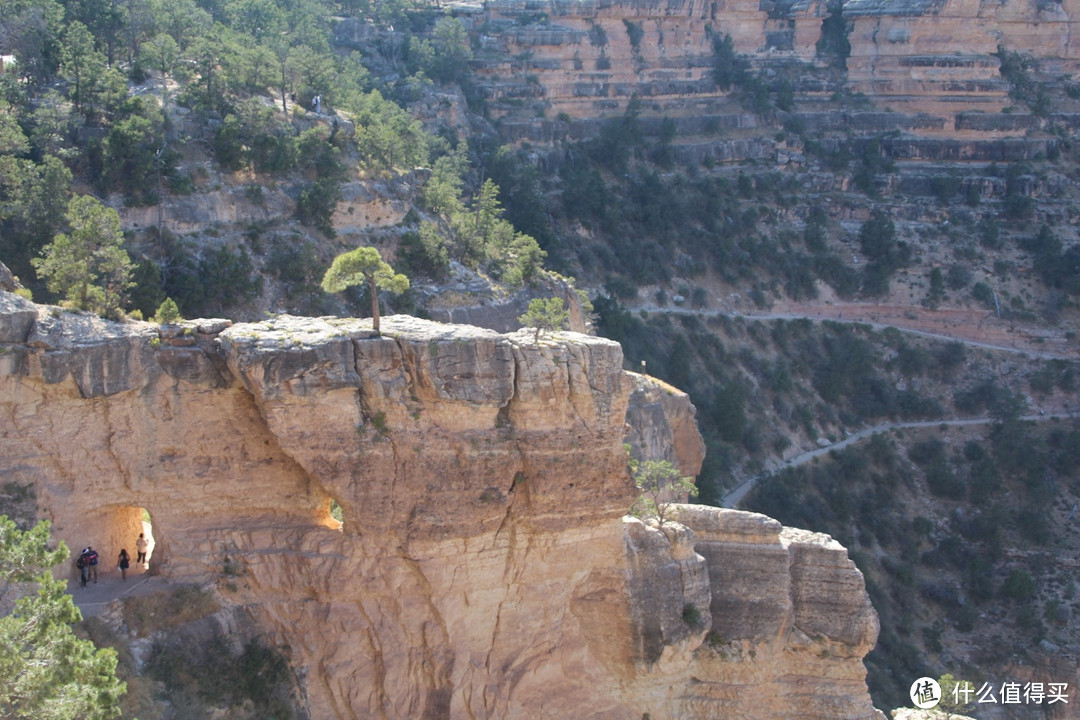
<point x="961" y="535"/>
<point x="290" y="109"/>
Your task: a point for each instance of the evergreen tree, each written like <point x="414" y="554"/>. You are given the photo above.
<point x="364" y="265"/>
<point x="835" y="29"/>
<point x="46" y="672"/>
<point x="659" y="481"/>
<point x="81" y="63"/>
<point x="957" y="696"/>
<point x="167" y="312"/>
<point x="544" y="314"/>
<point x="88" y="266"/>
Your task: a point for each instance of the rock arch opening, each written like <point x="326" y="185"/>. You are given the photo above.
<point x="337" y="516"/>
<point x="121" y="529"/>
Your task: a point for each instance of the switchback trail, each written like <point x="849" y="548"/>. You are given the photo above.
<point x="972" y="328"/>
<point x="734" y="497"/>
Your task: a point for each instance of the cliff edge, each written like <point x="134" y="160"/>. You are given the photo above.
<point x="482" y="567"/>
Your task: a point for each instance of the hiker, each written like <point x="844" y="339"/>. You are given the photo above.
<point x="123" y="563"/>
<point x="91" y="561"/>
<point x="141" y="545"/>
<point x="84" y="568"/>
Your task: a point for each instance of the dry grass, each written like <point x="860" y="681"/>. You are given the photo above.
<point x="165" y="611"/>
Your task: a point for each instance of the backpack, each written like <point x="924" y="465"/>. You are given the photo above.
<point x="80" y="563"/>
<point x="92" y="557"/>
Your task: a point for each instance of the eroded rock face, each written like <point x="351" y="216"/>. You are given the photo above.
<point x="791" y="621"/>
<point x="663" y="425"/>
<point x="576" y="62"/>
<point x="7" y="280"/>
<point x="484" y="568"/>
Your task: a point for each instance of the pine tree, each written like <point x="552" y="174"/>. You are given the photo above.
<point x="46" y="672"/>
<point x="364" y="264"/>
<point x="544" y="314"/>
<point x="659" y="481"/>
<point x="88" y="265"/>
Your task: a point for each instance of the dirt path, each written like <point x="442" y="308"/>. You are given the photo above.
<point x="93" y="598"/>
<point x="734" y="497"/>
<point x="973" y="328"/>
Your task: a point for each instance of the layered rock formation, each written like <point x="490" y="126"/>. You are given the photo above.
<point x="484" y="567"/>
<point x="553" y="66"/>
<point x="660" y="428"/>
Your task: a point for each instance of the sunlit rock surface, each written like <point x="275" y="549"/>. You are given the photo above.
<point x="484" y="568"/>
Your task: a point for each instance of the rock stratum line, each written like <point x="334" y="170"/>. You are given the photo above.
<point x="484" y="568"/>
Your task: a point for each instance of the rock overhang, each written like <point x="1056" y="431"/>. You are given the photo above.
<point x="483" y="480"/>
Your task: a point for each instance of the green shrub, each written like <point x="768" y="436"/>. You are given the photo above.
<point x="1019" y="586"/>
<point x="378" y="421"/>
<point x="167" y="312"/>
<point x="833" y="42"/>
<point x="197" y="673"/>
<point x="316" y="204"/>
<point x="984" y="294"/>
<point x="729" y="68"/>
<point x="691" y="615"/>
<point x="635" y="33"/>
<point x="296" y="264"/>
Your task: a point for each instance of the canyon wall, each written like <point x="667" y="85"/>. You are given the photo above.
<point x="551" y="66"/>
<point x="939" y="53"/>
<point x="484" y="567"/>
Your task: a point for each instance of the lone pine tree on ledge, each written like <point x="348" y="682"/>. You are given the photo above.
<point x="659" y="482"/>
<point x="360" y="265"/>
<point x="544" y="314"/>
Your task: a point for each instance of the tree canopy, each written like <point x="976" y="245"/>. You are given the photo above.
<point x="659" y="482"/>
<point x="956" y="695"/>
<point x="364" y="265"/>
<point x="544" y="314"/>
<point x="46" y="672"/>
<point x="88" y="265"/>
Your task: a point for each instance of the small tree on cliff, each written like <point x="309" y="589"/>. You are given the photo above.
<point x="167" y="312"/>
<point x="544" y="314"/>
<point x="364" y="264"/>
<point x="46" y="672"/>
<point x="659" y="482"/>
<point x="956" y="695"/>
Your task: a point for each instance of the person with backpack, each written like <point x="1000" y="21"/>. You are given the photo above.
<point x="84" y="569"/>
<point x="92" y="561"/>
<point x="123" y="563"/>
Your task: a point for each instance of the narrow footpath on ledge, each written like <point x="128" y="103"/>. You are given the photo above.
<point x="92" y="599"/>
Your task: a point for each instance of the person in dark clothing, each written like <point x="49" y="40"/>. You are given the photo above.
<point x="92" y="561"/>
<point x="123" y="562"/>
<point x="84" y="568"/>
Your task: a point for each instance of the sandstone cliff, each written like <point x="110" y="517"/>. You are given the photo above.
<point x="553" y="68"/>
<point x="483" y="569"/>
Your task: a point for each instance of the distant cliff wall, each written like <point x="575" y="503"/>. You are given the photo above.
<point x="484" y="568"/>
<point x="551" y="66"/>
